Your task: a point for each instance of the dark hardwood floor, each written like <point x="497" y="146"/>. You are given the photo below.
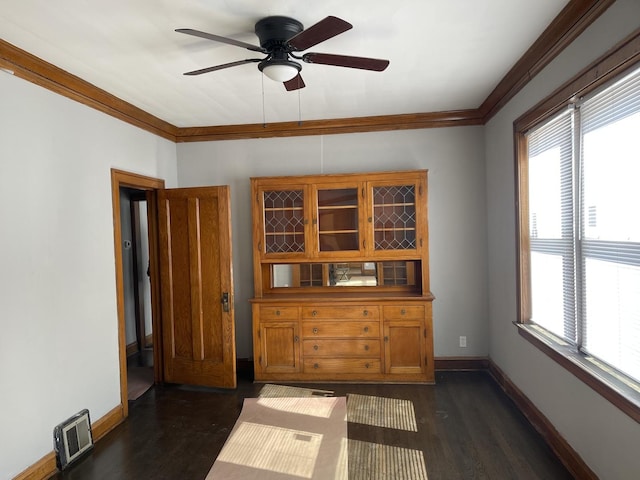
<point x="467" y="429"/>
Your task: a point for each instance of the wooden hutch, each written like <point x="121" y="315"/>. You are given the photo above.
<point x="341" y="278"/>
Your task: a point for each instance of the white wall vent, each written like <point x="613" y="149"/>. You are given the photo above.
<point x="72" y="438"/>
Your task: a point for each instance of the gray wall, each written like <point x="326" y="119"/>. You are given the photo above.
<point x="606" y="438"/>
<point x="58" y="318"/>
<point x="457" y="231"/>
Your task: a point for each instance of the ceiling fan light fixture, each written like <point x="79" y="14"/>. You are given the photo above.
<point x="280" y="70"/>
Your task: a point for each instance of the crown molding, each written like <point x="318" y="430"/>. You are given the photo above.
<point x="329" y="127"/>
<point x="35" y="70"/>
<point x="572" y="20"/>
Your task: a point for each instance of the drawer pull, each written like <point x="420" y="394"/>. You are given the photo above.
<point x="278" y="313"/>
<point x="366" y="329"/>
<point x="403" y="312"/>
<point x="365" y="313"/>
<point x="386" y="338"/>
<point x="315" y="347"/>
<point x="366" y="347"/>
<point x="315" y="330"/>
<point x="314" y="313"/>
<point x="296" y="339"/>
<point x="366" y="365"/>
<point x="315" y="365"/>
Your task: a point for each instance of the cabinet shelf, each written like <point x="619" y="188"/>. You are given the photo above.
<point x="282" y="209"/>
<point x="337" y="232"/>
<point x="394" y="229"/>
<point x="338" y="207"/>
<point x="382" y="205"/>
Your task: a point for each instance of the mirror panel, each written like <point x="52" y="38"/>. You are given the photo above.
<point x="344" y="274"/>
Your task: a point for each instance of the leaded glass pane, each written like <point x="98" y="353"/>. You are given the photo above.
<point x="284" y="221"/>
<point x="394" y="217"/>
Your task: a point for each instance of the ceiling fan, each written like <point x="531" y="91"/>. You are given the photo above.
<point x="280" y="39"/>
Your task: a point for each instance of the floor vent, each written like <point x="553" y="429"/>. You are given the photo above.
<point x="72" y="438"/>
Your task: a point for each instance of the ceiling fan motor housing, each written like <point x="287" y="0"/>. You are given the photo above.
<point x="274" y="32"/>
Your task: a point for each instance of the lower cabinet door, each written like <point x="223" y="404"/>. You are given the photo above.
<point x="404" y="346"/>
<point x="280" y="342"/>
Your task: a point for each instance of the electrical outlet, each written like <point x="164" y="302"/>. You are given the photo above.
<point x="463" y="341"/>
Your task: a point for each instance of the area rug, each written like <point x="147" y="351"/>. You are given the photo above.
<point x="139" y="380"/>
<point x="276" y="391"/>
<point x="277" y="438"/>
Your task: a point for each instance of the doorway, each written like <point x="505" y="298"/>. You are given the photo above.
<point x="138" y="187"/>
<point x="192" y="314"/>
<point x="137" y="291"/>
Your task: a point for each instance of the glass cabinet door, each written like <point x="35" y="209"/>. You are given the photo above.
<point x="284" y="230"/>
<point x="394" y="217"/>
<point x="337" y="219"/>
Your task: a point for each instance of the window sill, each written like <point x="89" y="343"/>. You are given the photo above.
<point x="620" y="391"/>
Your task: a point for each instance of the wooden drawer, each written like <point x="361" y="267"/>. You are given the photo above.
<point x="339" y="329"/>
<point x="333" y="312"/>
<point x="268" y="312"/>
<point x="342" y="365"/>
<point x="403" y="311"/>
<point x="341" y="348"/>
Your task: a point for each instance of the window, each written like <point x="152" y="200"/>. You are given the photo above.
<point x="579" y="215"/>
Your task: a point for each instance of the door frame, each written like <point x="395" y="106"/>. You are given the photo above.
<point x="120" y="178"/>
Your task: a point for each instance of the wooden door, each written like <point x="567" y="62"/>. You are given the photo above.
<point x="280" y="347"/>
<point x="198" y="330"/>
<point x="404" y="346"/>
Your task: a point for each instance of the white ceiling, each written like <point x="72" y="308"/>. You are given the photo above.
<point x="444" y="54"/>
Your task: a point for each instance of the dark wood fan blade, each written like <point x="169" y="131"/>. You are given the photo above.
<point x="362" y="63"/>
<point x="217" y="38"/>
<point x="321" y="31"/>
<point x="295" y="83"/>
<point x="223" y="66"/>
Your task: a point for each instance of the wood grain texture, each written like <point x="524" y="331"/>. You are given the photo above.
<point x="334" y="341"/>
<point x="466" y="428"/>
<point x="198" y="330"/>
<point x="331" y="126"/>
<point x="338" y="326"/>
<point x="43" y="468"/>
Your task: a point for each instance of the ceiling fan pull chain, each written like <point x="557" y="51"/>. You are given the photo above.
<point x="264" y="121"/>
<point x="299" y="110"/>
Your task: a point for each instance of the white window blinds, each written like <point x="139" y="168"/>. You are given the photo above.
<point x="610" y="219"/>
<point x="551" y="226"/>
<point x="584" y="225"/>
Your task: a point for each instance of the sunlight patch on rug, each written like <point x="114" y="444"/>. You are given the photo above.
<point x="277" y="391"/>
<point x="381" y="412"/>
<point x="372" y="461"/>
<point x="299" y="406"/>
<point x="290" y="441"/>
<point x="281" y="450"/>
